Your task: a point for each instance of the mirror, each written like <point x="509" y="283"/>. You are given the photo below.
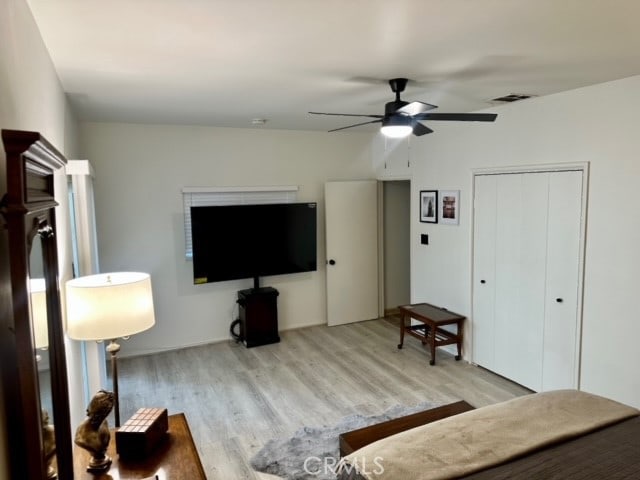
<point x="38" y="298"/>
<point x="34" y="371"/>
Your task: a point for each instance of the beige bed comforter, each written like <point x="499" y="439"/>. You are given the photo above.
<point x="472" y="441"/>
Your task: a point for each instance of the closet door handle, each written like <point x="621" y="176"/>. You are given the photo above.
<point x="483" y="281"/>
<point x="559" y="300"/>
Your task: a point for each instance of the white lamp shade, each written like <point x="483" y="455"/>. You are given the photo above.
<point x="39" y="312"/>
<point x="109" y="305"/>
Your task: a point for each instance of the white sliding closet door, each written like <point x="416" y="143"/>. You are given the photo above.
<point x="563" y="269"/>
<point x="521" y="230"/>
<point x="526" y="256"/>
<point x="484" y="267"/>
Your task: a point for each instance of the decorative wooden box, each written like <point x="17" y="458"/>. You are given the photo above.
<point x="142" y="432"/>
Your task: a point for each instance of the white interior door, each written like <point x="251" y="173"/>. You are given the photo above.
<point x="351" y="216"/>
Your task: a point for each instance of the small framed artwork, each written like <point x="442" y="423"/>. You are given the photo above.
<point x="449" y="208"/>
<point x="429" y="206"/>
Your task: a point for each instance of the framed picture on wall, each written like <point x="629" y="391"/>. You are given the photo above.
<point x="449" y="207"/>
<point x="429" y="206"/>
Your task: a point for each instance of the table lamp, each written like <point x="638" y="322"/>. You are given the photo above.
<point x="109" y="306"/>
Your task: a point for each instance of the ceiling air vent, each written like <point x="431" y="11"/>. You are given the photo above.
<point x="514" y="97"/>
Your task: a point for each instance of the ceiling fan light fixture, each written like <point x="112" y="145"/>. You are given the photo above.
<point x="401" y="118"/>
<point x="396" y="131"/>
<point x="396" y="127"/>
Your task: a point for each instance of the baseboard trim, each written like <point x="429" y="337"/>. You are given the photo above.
<point x="391" y="312"/>
<point x="142" y="353"/>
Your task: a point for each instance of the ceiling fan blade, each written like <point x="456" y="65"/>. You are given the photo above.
<point x="462" y="117"/>
<point x="347" y="114"/>
<point x="414" y="108"/>
<point x="356" y="125"/>
<point x="419" y="129"/>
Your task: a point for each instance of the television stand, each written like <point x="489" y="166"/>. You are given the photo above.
<point x="258" y="316"/>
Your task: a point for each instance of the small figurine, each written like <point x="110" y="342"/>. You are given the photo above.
<point x="93" y="433"/>
<point x="49" y="443"/>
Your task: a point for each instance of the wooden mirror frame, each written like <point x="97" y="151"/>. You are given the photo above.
<point x="28" y="209"/>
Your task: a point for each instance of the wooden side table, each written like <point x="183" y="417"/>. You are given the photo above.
<point x="431" y="332"/>
<point x="176" y="458"/>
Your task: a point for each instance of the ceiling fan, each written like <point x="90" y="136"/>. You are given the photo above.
<point x="403" y="118"/>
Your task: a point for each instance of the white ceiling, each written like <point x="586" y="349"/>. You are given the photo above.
<point x="225" y="62"/>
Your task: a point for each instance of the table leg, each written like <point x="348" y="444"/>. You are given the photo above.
<point x="432" y="344"/>
<point x="459" y="342"/>
<point x="402" y="320"/>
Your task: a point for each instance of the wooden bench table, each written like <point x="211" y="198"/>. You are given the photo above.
<point x="431" y="331"/>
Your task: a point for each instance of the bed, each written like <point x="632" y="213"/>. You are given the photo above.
<point x="564" y="434"/>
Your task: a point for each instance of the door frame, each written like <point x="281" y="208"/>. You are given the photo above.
<point x="381" y="283"/>
<point x="382" y="246"/>
<point x="80" y="178"/>
<point x="380" y="237"/>
<point x="519" y="169"/>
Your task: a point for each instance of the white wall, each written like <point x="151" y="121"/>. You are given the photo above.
<point x="31" y="98"/>
<point x="140" y="171"/>
<point x="596" y="124"/>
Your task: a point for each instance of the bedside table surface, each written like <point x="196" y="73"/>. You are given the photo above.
<point x="176" y="458"/>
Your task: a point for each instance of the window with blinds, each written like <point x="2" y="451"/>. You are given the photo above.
<point x="206" y="196"/>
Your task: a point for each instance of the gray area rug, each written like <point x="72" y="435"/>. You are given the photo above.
<point x="313" y="452"/>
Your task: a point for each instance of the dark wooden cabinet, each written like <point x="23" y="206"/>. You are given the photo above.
<point x="258" y="316"/>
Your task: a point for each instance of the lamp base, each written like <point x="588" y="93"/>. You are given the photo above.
<point x="99" y="465"/>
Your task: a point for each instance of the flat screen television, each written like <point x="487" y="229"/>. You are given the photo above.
<point x="232" y="242"/>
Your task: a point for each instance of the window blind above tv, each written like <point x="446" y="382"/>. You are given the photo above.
<point x="211" y="196"/>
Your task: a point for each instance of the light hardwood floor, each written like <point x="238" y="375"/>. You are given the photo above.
<point x="235" y="399"/>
